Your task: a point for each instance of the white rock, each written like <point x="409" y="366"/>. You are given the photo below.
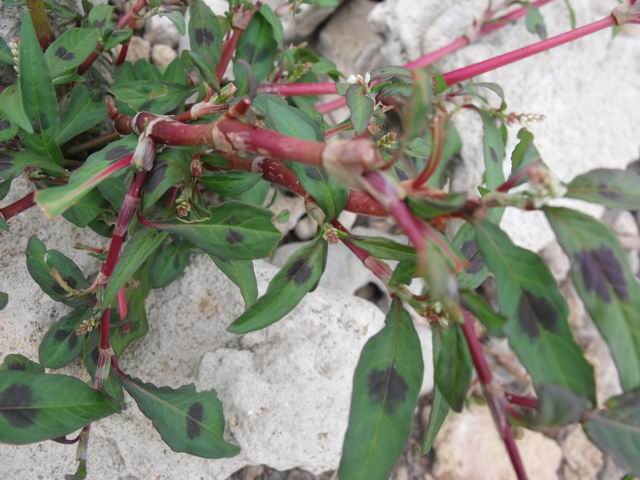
<point x="139" y="49"/>
<point x="162" y="55"/>
<point x="306" y="228"/>
<point x="581" y="458"/>
<point x="584" y="89"/>
<point x="161" y="30"/>
<point x="469" y="447"/>
<point x="556" y="260"/>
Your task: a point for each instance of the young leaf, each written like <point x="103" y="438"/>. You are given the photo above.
<point x="170" y="263"/>
<point x="241" y="273"/>
<point x="38" y="406"/>
<point x="361" y="108"/>
<point x="537" y="325"/>
<point x="535" y="22"/>
<point x="453" y="367"/>
<point x="42" y="262"/>
<point x="386" y="384"/>
<point x="384" y="248"/>
<point x="234" y="230"/>
<point x="188" y="421"/>
<point x="616" y="430"/>
<point x="83" y="112"/>
<point x="609" y="187"/>
<point x="69" y="50"/>
<point x="229" y="184"/>
<point x="299" y="276"/>
<point x="205" y="32"/>
<point x="494" y="151"/>
<point x="257" y="47"/>
<point x="99" y="166"/>
<point x="608" y="288"/>
<point x="20" y="363"/>
<point x="143" y="244"/>
<point x="61" y="345"/>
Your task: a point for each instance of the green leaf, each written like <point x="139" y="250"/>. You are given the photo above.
<point x="229" y="184"/>
<point x="38" y="406"/>
<point x="177" y="18"/>
<point x="606" y="284"/>
<point x="100" y="18"/>
<point x="453" y="367"/>
<point x="61" y="345"/>
<point x="70" y="50"/>
<point x="41" y="262"/>
<point x="4" y="300"/>
<point x="170" y="263"/>
<point x="143" y="243"/>
<point x="537" y="325"/>
<point x="492" y="321"/>
<point x="415" y="121"/>
<point x="11" y="105"/>
<point x="83" y="112"/>
<point x="361" y="107"/>
<point x="188" y="421"/>
<point x="257" y="46"/>
<point x="170" y="168"/>
<point x="616" y="430"/>
<point x="572" y="13"/>
<point x="17" y="362"/>
<point x="557" y="407"/>
<point x="90" y="355"/>
<point x="384" y="248"/>
<point x="205" y="33"/>
<point x="299" y="276"/>
<point x="83" y="213"/>
<point x="5" y="53"/>
<point x="274" y="21"/>
<point x="151" y="96"/>
<point x="534" y="22"/>
<point x="234" y="230"/>
<point x="525" y="153"/>
<point x="8" y="130"/>
<point x="386" y="385"/>
<point x="38" y="95"/>
<point x="494" y="151"/>
<point x="609" y="187"/>
<point x="428" y="208"/>
<point x="439" y="406"/>
<point x="241" y="273"/>
<point x="95" y="169"/>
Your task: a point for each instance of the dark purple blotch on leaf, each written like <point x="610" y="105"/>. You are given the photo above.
<point x="299" y="272"/>
<point x="471" y="252"/>
<point x="234" y="237"/>
<point x="388" y="387"/>
<point x="117" y="152"/>
<point x="606" y="192"/>
<point x="534" y="312"/>
<point x="16" y="366"/>
<point x="601" y="272"/>
<point x="99" y="23"/>
<point x="195" y="414"/>
<point x="63" y="54"/>
<point x="11" y="399"/>
<point x="314" y="173"/>
<point x="203" y="36"/>
<point x="494" y="154"/>
<point x="4" y="124"/>
<point x="61" y="335"/>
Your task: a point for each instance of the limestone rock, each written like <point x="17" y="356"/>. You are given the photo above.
<point x="469" y="447"/>
<point x="139" y="49"/>
<point x="556" y="260"/>
<point x="161" y="30"/>
<point x="162" y="55"/>
<point x="582" y="459"/>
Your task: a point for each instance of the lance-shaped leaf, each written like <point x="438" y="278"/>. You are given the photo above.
<point x="170" y="263"/>
<point x="428" y="208"/>
<point x="360" y="106"/>
<point x="616" y="430"/>
<point x="170" y="168"/>
<point x="47" y="267"/>
<point x="280" y="116"/>
<point x="453" y="367"/>
<point x="61" y="345"/>
<point x="38" y="95"/>
<point x="205" y="32"/>
<point x="386" y="384"/>
<point x="537" y="325"/>
<point x="439" y="406"/>
<point x="188" y="421"/>
<point x="229" y="184"/>
<point x="20" y="363"/>
<point x="384" y="248"/>
<point x="534" y="21"/>
<point x="608" y="288"/>
<point x="299" y="276"/>
<point x="83" y="112"/>
<point x="234" y="230"/>
<point x="609" y="187"/>
<point x="69" y="50"/>
<point x="98" y="167"/>
<point x="150" y="96"/>
<point x="143" y="243"/>
<point x="38" y="406"/>
<point x="241" y="273"/>
<point x="11" y="105"/>
<point x="494" y="150"/>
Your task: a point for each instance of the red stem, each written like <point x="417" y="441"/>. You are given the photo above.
<point x="18" y="206"/>
<point x="299" y="89"/>
<point x="522" y="401"/>
<point x="105" y="325"/>
<point x="465" y="73"/>
<point x="93" y="56"/>
<point x="129" y="16"/>
<point x="227" y="52"/>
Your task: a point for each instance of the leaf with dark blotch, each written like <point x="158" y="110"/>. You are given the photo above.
<point x="205" y="32"/>
<point x="62" y="344"/>
<point x="150" y="96"/>
<point x="83" y="112"/>
<point x="229" y="184"/>
<point x="188" y="421"/>
<point x="609" y="187"/>
<point x="453" y="367"/>
<point x="42" y="262"/>
<point x="384" y="248"/>
<point x="494" y="150"/>
<point x="170" y="263"/>
<point x="234" y="230"/>
<point x="69" y="50"/>
<point x="38" y="406"/>
<point x="536" y="313"/>
<point x="257" y="47"/>
<point x="535" y="22"/>
<point x="20" y="363"/>
<point x="606" y="284"/>
<point x="386" y="384"/>
<point x="298" y="276"/>
<point x="616" y="430"/>
<point x="241" y="273"/>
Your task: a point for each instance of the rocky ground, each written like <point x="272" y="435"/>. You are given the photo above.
<point x="288" y="423"/>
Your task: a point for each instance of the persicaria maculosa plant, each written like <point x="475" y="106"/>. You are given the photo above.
<point x="183" y="166"/>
